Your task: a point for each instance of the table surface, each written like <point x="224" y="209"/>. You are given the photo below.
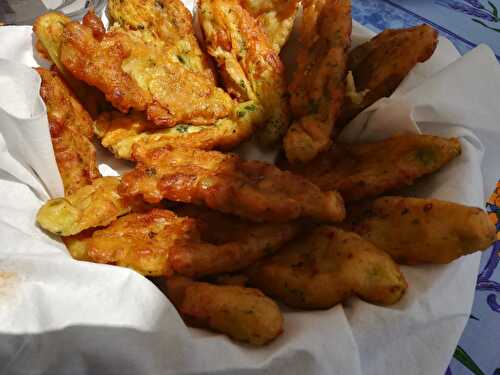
<point x="466" y="23"/>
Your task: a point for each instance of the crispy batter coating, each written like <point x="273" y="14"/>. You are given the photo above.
<point x="275" y="17"/>
<point x="71" y="133"/>
<point x="48" y="29"/>
<point x="318" y="85"/>
<point x="326" y="267"/>
<point x="168" y="20"/>
<point x="249" y="66"/>
<point x="227" y="243"/>
<point x="365" y="170"/>
<point x="243" y="314"/>
<point x="141" y="241"/>
<point x="91" y="206"/>
<point x="379" y="75"/>
<point x="414" y="230"/>
<point x="250" y="189"/>
<point x="134" y="69"/>
<point x="121" y="134"/>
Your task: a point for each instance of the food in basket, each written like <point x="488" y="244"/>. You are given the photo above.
<point x="364" y="170"/>
<point x="379" y="65"/>
<point x="248" y="64"/>
<point x="317" y="88"/>
<point x="227" y="243"/>
<point x="422" y="230"/>
<point x="231" y="222"/>
<point x="327" y="266"/>
<point x="253" y="190"/>
<point x="71" y="133"/>
<point x="244" y="314"/>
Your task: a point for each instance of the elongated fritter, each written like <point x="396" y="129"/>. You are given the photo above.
<point x="122" y="133"/>
<point x="318" y="85"/>
<point x="243" y="314"/>
<point x="71" y="133"/>
<point x="249" y="66"/>
<point x="275" y="17"/>
<point x="365" y="170"/>
<point x="48" y="29"/>
<point x="227" y="243"/>
<point x="134" y="69"/>
<point x="250" y="189"/>
<point x="91" y="206"/>
<point x="326" y="267"/>
<point x="376" y="74"/>
<point x="413" y="230"/>
<point x="141" y="241"/>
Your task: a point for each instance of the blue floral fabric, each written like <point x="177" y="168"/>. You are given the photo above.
<point x="466" y="23"/>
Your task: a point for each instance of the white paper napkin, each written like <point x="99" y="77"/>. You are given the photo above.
<point x="60" y="316"/>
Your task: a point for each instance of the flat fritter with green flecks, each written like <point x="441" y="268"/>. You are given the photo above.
<point x="123" y="133"/>
<point x="415" y="230"/>
<point x="137" y="70"/>
<point x="363" y="170"/>
<point x="253" y="190"/>
<point x="249" y="66"/>
<point x="327" y="266"/>
<point x="227" y="243"/>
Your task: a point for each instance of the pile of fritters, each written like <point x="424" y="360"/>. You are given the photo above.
<point x="229" y="234"/>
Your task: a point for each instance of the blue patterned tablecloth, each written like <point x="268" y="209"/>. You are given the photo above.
<point x="466" y="23"/>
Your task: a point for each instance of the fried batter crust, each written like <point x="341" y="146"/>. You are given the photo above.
<point x="326" y="267"/>
<point x="250" y="189"/>
<point x="318" y="85"/>
<point x="415" y="230"/>
<point x="365" y="170"/>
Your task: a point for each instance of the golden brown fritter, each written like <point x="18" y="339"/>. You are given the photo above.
<point x="250" y="189"/>
<point x="134" y="69"/>
<point x="248" y="64"/>
<point x="413" y="230"/>
<point x="48" y="29"/>
<point x="168" y="20"/>
<point x="318" y="85"/>
<point x="326" y="267"/>
<point x="227" y="243"/>
<point x="365" y="170"/>
<point x="91" y="206"/>
<point x="141" y="241"/>
<point x="71" y="133"/>
<point x="379" y="75"/>
<point x="275" y="17"/>
<point x="121" y="133"/>
<point x="243" y="314"/>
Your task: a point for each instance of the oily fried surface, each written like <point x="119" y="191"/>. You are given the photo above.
<point x="413" y="230"/>
<point x="358" y="171"/>
<point x="168" y="20"/>
<point x="48" y="29"/>
<point x="249" y="66"/>
<point x="141" y="241"/>
<point x="275" y="17"/>
<point x="71" y="133"/>
<point x="243" y="314"/>
<point x="379" y="75"/>
<point x="250" y="189"/>
<point x="136" y="70"/>
<point x="227" y="243"/>
<point x="121" y="133"/>
<point x="318" y="85"/>
<point x="326" y="267"/>
<point x="91" y="206"/>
